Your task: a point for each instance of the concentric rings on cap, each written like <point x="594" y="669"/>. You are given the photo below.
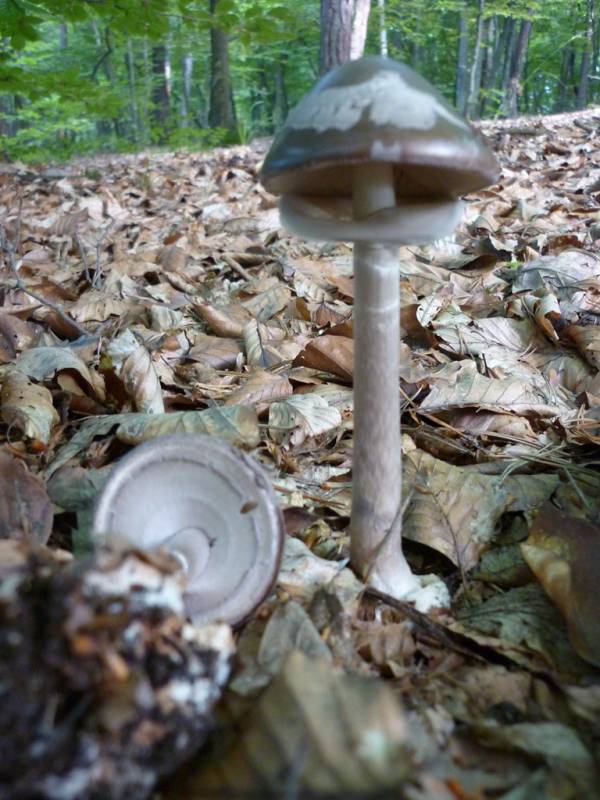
<point x="210" y="505"/>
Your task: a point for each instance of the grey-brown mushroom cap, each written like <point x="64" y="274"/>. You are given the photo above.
<point x="375" y="109"/>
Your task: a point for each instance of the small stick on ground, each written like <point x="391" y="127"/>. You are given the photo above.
<point x="9" y="250"/>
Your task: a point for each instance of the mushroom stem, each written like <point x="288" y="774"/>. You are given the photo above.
<point x="376" y="529"/>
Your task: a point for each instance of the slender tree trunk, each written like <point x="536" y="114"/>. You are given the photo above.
<point x="511" y="98"/>
<point x="260" y="93"/>
<point x="586" y="58"/>
<point x="281" y="104"/>
<point x="221" y="108"/>
<point x="487" y="74"/>
<point x="476" y="64"/>
<point x="462" y="69"/>
<point x="383" y="32"/>
<point x="63" y="36"/>
<point x="135" y="116"/>
<point x="510" y="39"/>
<point x="147" y="94"/>
<point x="161" y="99"/>
<point x="8" y="126"/>
<point x="168" y="66"/>
<point x="595" y="52"/>
<point x="360" y="24"/>
<point x="564" y="89"/>
<point x="105" y="62"/>
<point x="187" y="69"/>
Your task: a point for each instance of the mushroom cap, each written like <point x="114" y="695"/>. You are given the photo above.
<point x="208" y="504"/>
<point x="375" y="109"/>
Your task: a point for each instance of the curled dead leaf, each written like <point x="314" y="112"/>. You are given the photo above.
<point x="28" y="406"/>
<point x="334" y="354"/>
<point x="41" y="363"/>
<point x="564" y="553"/>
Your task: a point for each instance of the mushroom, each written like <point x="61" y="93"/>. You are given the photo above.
<point x="208" y="504"/>
<point x="375" y="155"/>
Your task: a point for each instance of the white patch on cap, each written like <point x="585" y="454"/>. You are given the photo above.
<point x="389" y="99"/>
<point x="380" y="151"/>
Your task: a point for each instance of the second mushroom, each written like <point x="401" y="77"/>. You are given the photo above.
<point x="374" y="155"/>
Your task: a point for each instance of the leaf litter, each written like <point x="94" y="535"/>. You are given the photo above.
<point x="150" y="294"/>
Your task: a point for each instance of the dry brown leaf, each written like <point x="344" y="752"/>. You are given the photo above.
<point x="300" y="417"/>
<point x="328" y="315"/>
<point x="226" y="322"/>
<point x="215" y="352"/>
<point x="141" y="381"/>
<point x="261" y="387"/>
<point x="260" y="351"/>
<point x="453" y="509"/>
<point x="97" y="306"/>
<point x="479" y="423"/>
<point x="459" y="385"/>
<point x="28" y="406"/>
<point x="235" y="424"/>
<point x="172" y="258"/>
<point x="25" y="508"/>
<point x="15" y="335"/>
<point x="353" y="735"/>
<point x="587" y="340"/>
<point x="564" y="553"/>
<point x="266" y="304"/>
<point x="42" y="363"/>
<point x="334" y="354"/>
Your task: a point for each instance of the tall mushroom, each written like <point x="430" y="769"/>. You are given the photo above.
<point x="375" y="155"/>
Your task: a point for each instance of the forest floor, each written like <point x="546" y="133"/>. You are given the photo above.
<point x="157" y="293"/>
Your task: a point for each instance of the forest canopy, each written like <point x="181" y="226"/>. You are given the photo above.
<point x="120" y="75"/>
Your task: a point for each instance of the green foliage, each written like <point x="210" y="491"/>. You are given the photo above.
<point x="80" y="75"/>
<point x="197" y="138"/>
<point x="49" y="127"/>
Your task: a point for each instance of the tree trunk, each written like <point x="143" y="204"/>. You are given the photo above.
<point x="565" y="85"/>
<point x="187" y="69"/>
<point x="8" y="126"/>
<point x="221" y="112"/>
<point x="161" y="100"/>
<point x="462" y="70"/>
<point x="586" y="58"/>
<point x="476" y="64"/>
<point x="281" y="104"/>
<point x="63" y="36"/>
<point x="135" y="117"/>
<point x="336" y="33"/>
<point x="489" y="73"/>
<point x="510" y="107"/>
<point x="105" y="61"/>
<point x="360" y="24"/>
<point x="383" y="32"/>
<point x="509" y="40"/>
<point x="416" y="49"/>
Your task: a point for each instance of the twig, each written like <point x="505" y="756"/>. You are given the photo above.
<point x="237" y="267"/>
<point x="99" y="63"/>
<point x="9" y="253"/>
<point x="83" y="254"/>
<point x="98" y="270"/>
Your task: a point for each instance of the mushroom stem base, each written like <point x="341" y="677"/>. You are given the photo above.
<point x="376" y="524"/>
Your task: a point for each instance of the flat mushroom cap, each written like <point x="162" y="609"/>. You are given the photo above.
<point x="376" y="109"/>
